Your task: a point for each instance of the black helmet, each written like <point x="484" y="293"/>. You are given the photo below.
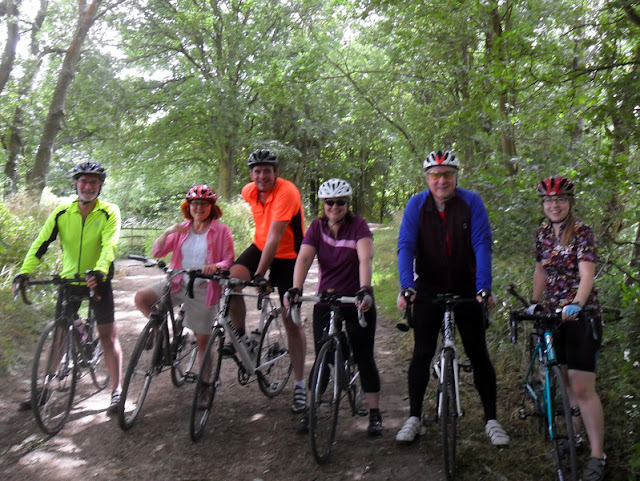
<point x="262" y="156"/>
<point x="89" y="168"/>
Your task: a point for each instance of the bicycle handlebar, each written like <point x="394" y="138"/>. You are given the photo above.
<point x="55" y="279"/>
<point x="447" y="300"/>
<point x="222" y="278"/>
<point x="325" y="297"/>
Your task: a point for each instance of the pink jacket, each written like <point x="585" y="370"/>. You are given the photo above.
<point x="220" y="251"/>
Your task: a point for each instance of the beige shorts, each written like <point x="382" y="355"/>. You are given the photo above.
<point x="197" y="316"/>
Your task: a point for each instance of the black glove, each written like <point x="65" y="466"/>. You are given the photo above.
<point x="484" y="293"/>
<point x="97" y="275"/>
<point x="408" y="293"/>
<point x="293" y="293"/>
<point x="260" y="281"/>
<point x="21" y="279"/>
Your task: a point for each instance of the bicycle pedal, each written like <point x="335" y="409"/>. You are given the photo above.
<point x="362" y="412"/>
<point x="190" y="377"/>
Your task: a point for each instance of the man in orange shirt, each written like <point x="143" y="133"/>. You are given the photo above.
<point x="277" y="212"/>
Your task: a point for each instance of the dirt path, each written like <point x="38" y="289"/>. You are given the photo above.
<point x="250" y="437"/>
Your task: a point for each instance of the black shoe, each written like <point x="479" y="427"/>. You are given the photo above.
<point x="375" y="425"/>
<point x="228" y="350"/>
<point x="303" y="424"/>
<point x="114" y="404"/>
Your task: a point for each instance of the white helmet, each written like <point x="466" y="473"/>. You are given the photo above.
<point x="446" y="158"/>
<point x="335" y="188"/>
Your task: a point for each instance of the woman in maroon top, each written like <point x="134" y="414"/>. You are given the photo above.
<point x="343" y="244"/>
<point x="566" y="259"/>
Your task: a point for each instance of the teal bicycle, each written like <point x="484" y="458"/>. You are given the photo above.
<point x="545" y="395"/>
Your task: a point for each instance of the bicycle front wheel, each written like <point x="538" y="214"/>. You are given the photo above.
<point x="448" y="414"/>
<point x="325" y="401"/>
<point x="207" y="384"/>
<point x="273" y="355"/>
<point x="94" y="354"/>
<point x="140" y="371"/>
<point x="561" y="430"/>
<point x="184" y="345"/>
<point x="53" y="378"/>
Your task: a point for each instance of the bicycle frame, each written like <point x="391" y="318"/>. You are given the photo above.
<point x="449" y="343"/>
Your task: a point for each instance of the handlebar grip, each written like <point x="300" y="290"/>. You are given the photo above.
<point x="192" y="279"/>
<point x="23" y="294"/>
<point x="361" y="320"/>
<point x="295" y="314"/>
<point x="513" y="325"/>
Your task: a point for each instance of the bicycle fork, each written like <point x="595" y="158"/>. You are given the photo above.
<point x="449" y="344"/>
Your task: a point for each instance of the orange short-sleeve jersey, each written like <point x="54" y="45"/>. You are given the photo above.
<point x="283" y="204"/>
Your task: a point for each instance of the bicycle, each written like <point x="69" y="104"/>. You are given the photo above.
<point x="544" y="389"/>
<point x="66" y="347"/>
<point x="263" y="354"/>
<point x="333" y="372"/>
<point x="163" y="344"/>
<point x="446" y="368"/>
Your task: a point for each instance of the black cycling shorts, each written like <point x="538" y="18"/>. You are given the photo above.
<point x="103" y="309"/>
<point x="280" y="272"/>
<point x="575" y="344"/>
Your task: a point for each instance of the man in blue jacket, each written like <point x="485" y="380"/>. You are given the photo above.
<point x="444" y="247"/>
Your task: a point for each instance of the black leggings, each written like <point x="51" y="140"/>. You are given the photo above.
<point x="362" y="341"/>
<point x="427" y="323"/>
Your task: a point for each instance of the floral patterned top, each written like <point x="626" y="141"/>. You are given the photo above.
<point x="560" y="263"/>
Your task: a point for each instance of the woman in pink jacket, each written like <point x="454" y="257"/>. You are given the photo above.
<point x="200" y="242"/>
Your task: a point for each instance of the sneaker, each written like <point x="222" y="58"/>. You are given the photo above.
<point x="115" y="402"/>
<point x="595" y="469"/>
<point x="496" y="433"/>
<point x="228" y="350"/>
<point x="299" y="400"/>
<point x="303" y="424"/>
<point x="412" y="428"/>
<point x="375" y="424"/>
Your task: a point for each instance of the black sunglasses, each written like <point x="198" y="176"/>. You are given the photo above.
<point x="340" y="202"/>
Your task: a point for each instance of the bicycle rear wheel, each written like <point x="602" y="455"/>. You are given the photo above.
<point x="140" y="371"/>
<point x="94" y="355"/>
<point x="206" y="385"/>
<point x="561" y="432"/>
<point x="186" y="352"/>
<point x="274" y="353"/>
<point x="53" y="378"/>
<point x="325" y="401"/>
<point x="448" y="415"/>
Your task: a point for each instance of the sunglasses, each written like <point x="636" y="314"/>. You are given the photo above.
<point x="447" y="175"/>
<point x="339" y="203"/>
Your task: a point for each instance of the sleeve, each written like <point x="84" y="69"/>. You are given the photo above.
<point x="587" y="247"/>
<point x="39" y="246"/>
<point x="110" y="237"/>
<point x="363" y="230"/>
<point x="408" y="241"/>
<point x="287" y="202"/>
<point x="228" y="253"/>
<point x="170" y="244"/>
<point x="312" y="237"/>
<point x="481" y="239"/>
<point x="538" y="245"/>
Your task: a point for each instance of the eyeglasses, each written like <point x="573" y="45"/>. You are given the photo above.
<point x="92" y="183"/>
<point x="555" y="200"/>
<point x="197" y="204"/>
<point x="448" y="175"/>
<point x="339" y="203"/>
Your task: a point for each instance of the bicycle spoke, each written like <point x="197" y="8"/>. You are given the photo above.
<point x="186" y="352"/>
<point x="561" y="431"/>
<point x="273" y="355"/>
<point x="53" y="379"/>
<point x="325" y="401"/>
<point x="206" y="385"/>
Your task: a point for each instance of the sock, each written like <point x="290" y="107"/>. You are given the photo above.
<point x="299" y="384"/>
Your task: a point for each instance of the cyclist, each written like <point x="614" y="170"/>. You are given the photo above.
<point x="89" y="230"/>
<point x="277" y="212"/>
<point x="446" y="231"/>
<point x="199" y="242"/>
<point x="344" y="246"/>
<point x="566" y="256"/>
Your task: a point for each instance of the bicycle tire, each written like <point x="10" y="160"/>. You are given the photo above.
<point x="185" y="352"/>
<point x="326" y="393"/>
<point x="273" y="348"/>
<point x="355" y="393"/>
<point x="209" y="369"/>
<point x="448" y="415"/>
<point x="562" y="432"/>
<point x="94" y="357"/>
<point x="533" y="402"/>
<point x="142" y="367"/>
<point x="53" y="383"/>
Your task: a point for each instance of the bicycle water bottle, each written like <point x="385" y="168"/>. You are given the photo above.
<point x="79" y="325"/>
<point x="551" y="353"/>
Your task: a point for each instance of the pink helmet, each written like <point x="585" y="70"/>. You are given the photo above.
<point x="201" y="192"/>
<point x="555" y="186"/>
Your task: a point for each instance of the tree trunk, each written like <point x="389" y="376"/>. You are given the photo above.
<point x="37" y="177"/>
<point x="225" y="172"/>
<point x="13" y="35"/>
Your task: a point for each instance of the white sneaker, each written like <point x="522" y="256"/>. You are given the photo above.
<point x="412" y="428"/>
<point x="496" y="433"/>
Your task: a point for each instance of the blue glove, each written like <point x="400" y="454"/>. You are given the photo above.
<point x="533" y="308"/>
<point x="571" y="310"/>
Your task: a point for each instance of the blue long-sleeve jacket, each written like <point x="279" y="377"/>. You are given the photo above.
<point x="462" y="266"/>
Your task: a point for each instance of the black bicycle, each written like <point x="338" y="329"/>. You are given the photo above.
<point x="67" y="346"/>
<point x="164" y="344"/>
<point x="334" y="375"/>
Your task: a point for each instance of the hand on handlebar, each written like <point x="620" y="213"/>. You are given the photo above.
<point x="486" y="295"/>
<point x="570" y="312"/>
<point x="364" y="298"/>
<point x="406" y="296"/>
<point x="18" y="283"/>
<point x="291" y="297"/>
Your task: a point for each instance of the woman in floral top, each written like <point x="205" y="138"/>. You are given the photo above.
<point x="566" y="256"/>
